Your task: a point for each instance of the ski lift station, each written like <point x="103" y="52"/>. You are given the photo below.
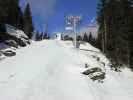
<point x="58" y="36"/>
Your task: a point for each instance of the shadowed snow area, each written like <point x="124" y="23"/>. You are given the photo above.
<point x="51" y="70"/>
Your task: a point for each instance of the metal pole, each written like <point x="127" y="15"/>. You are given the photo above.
<point x="74" y="21"/>
<point x="75" y="39"/>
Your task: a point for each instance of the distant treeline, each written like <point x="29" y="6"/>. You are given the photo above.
<point x="41" y="36"/>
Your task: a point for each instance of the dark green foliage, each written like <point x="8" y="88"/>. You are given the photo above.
<point x="85" y="38"/>
<point x="28" y="24"/>
<point x="45" y="36"/>
<point x="130" y="37"/>
<point x="39" y="36"/>
<point x="2" y="17"/>
<point x="2" y="28"/>
<point x="92" y="40"/>
<point x="115" y="21"/>
<point x="14" y="14"/>
<point x="99" y="41"/>
<point x="10" y="13"/>
<point x="20" y="22"/>
<point x="79" y="38"/>
<point x="3" y="14"/>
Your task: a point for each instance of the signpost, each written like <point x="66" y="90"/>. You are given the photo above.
<point x="74" y="21"/>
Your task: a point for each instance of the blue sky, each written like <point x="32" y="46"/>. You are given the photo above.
<point x="54" y="11"/>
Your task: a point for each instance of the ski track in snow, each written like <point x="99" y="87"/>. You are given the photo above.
<point x="48" y="70"/>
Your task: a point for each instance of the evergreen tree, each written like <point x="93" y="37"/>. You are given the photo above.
<point x="46" y="36"/>
<point x="99" y="41"/>
<point x="37" y="36"/>
<point x="20" y="22"/>
<point x="28" y="24"/>
<point x="3" y="14"/>
<point x="90" y="38"/>
<point x="85" y="38"/>
<point x="79" y="38"/>
<point x="2" y="17"/>
<point x="11" y="13"/>
<point x="114" y="18"/>
<point x="130" y="35"/>
<point x="14" y="13"/>
<point x="2" y="10"/>
<point x="102" y="19"/>
<point x="120" y="30"/>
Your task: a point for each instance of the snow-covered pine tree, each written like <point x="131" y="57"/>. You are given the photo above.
<point x="90" y="38"/>
<point x="28" y="24"/>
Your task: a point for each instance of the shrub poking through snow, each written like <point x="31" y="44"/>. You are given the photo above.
<point x="95" y="73"/>
<point x="11" y="43"/>
<point x="92" y="70"/>
<point x="17" y="35"/>
<point x="86" y="65"/>
<point x="8" y="52"/>
<point x="115" y="67"/>
<point x="97" y="76"/>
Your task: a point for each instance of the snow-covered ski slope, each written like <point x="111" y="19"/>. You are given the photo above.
<point x="51" y="70"/>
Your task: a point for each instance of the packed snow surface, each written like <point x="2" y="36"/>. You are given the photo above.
<point x="51" y="70"/>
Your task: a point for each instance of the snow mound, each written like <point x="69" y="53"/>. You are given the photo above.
<point x="87" y="46"/>
<point x="3" y="46"/>
<point x="2" y="56"/>
<point x="12" y="39"/>
<point x="18" y="35"/>
<point x="83" y="45"/>
<point x="15" y="32"/>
